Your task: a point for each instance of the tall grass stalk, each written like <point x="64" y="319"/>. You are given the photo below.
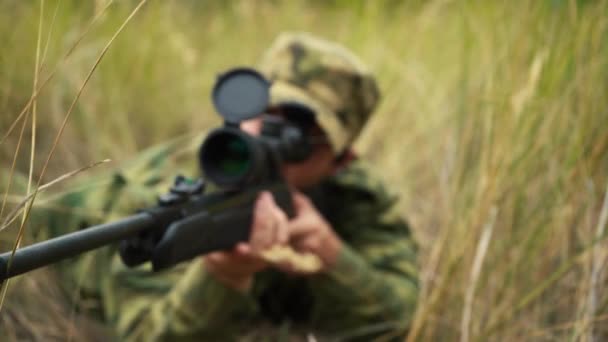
<point x="5" y="284"/>
<point x="598" y="265"/>
<point x="480" y="254"/>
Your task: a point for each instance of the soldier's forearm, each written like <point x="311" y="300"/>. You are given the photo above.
<point x="196" y="307"/>
<point x="365" y="296"/>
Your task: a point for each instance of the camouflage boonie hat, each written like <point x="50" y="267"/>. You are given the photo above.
<point x="327" y="78"/>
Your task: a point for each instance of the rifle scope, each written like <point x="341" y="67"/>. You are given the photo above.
<point x="234" y="159"/>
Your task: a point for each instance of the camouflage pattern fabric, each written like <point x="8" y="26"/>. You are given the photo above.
<point x="370" y="292"/>
<point x="326" y="77"/>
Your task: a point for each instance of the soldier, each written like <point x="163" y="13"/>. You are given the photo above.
<point x="366" y="285"/>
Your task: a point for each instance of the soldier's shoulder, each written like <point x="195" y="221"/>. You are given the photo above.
<point x="132" y="183"/>
<point x="359" y="193"/>
<point x="146" y="168"/>
<point x="361" y="180"/>
<point x="358" y="197"/>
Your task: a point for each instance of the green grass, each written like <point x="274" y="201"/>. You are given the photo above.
<point x="488" y="106"/>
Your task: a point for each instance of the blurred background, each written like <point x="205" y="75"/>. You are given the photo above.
<point x="493" y="128"/>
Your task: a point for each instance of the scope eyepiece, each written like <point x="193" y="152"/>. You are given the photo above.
<point x="287" y="137"/>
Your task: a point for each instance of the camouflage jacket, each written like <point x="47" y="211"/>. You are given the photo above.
<point x="371" y="291"/>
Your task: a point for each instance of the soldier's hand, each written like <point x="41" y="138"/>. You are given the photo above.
<point x="237" y="267"/>
<point x="310" y="232"/>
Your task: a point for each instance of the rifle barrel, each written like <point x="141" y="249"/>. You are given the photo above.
<point x="47" y="252"/>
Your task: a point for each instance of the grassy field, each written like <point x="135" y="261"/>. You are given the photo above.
<point x="493" y="127"/>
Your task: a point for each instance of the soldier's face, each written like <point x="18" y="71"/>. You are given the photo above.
<point x="309" y="172"/>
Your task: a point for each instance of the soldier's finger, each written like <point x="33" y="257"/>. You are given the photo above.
<point x="281" y="231"/>
<point x="307" y="243"/>
<point x="243" y="249"/>
<point x="300" y="202"/>
<point x="303" y="225"/>
<point x="262" y="226"/>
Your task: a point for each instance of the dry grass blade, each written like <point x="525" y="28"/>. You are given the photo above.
<point x="73" y="104"/>
<point x="34" y="104"/>
<point x="480" y="254"/>
<point x="52" y="73"/>
<point x="39" y="67"/>
<point x="33" y="141"/>
<point x="15" y="213"/>
<point x="506" y="317"/>
<point x="30" y="203"/>
<point x="17" y="210"/>
<point x="12" y="170"/>
<point x="425" y="309"/>
<point x="49" y="35"/>
<point x="565" y="326"/>
<point x="598" y="258"/>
